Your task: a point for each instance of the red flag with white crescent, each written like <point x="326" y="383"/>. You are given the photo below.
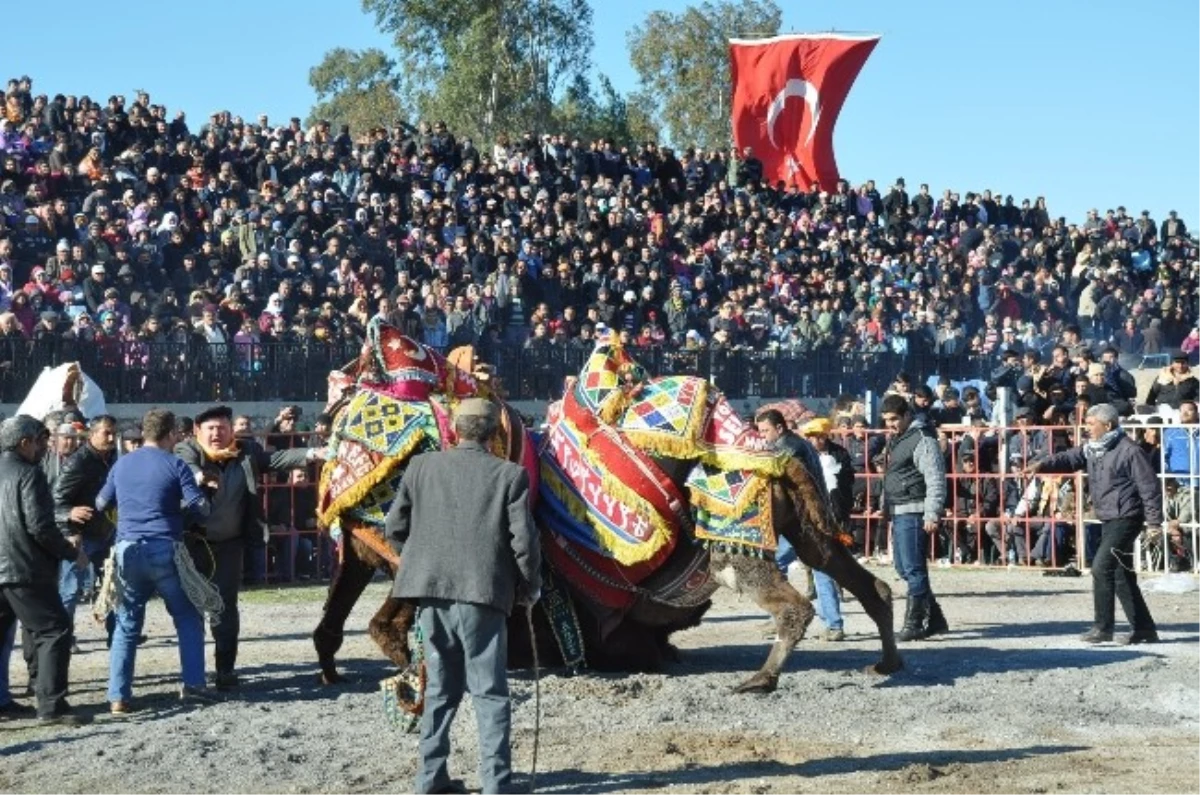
<point x="787" y="93"/>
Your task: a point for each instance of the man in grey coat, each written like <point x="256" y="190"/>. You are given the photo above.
<point x="1127" y="499"/>
<point x="461" y="521"/>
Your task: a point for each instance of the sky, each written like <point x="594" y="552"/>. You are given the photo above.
<point x="1090" y="104"/>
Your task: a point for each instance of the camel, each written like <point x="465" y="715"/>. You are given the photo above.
<point x="637" y="636"/>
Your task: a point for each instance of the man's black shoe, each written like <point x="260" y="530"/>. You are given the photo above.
<point x="226" y="680"/>
<point x="70" y="719"/>
<point x="1139" y="636"/>
<point x="1094" y="635"/>
<point x="937" y="621"/>
<point x="15" y="710"/>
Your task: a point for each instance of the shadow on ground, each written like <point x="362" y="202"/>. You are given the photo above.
<point x="693" y="777"/>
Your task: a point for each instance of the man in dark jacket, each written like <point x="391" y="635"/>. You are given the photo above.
<point x="914" y="492"/>
<point x="30" y="549"/>
<point x="1127" y="499"/>
<point x="462" y="520"/>
<point x="74" y="491"/>
<point x="1175" y="384"/>
<point x="974" y="499"/>
<point x="229" y="470"/>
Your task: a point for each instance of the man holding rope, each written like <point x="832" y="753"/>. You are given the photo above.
<point x="468" y="543"/>
<point x="229" y="470"/>
<point x="153" y="490"/>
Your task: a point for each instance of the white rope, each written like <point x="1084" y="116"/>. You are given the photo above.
<point x="200" y="592"/>
<point x="109" y="594"/>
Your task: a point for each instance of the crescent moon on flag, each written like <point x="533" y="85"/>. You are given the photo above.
<point x="795" y="87"/>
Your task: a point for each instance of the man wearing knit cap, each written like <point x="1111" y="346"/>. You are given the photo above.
<point x="229" y="470"/>
<point x="461" y="518"/>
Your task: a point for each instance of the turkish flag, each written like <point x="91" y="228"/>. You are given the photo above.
<point x="787" y="93"/>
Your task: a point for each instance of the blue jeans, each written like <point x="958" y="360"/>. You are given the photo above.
<point x="829" y="606"/>
<point x="146" y="568"/>
<point x="909" y="545"/>
<point x="6" y="649"/>
<point x="73" y="581"/>
<point x="785" y="554"/>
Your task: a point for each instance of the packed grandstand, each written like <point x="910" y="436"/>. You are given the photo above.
<point x="176" y="259"/>
<point x="244" y="259"/>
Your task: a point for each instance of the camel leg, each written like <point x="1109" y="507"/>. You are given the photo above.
<point x="763" y="583"/>
<point x="389" y="628"/>
<point x="872" y="593"/>
<point x="348" y="585"/>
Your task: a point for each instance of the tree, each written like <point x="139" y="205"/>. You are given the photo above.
<point x="355" y="87"/>
<point x="590" y="114"/>
<point x="682" y="62"/>
<point x="486" y="66"/>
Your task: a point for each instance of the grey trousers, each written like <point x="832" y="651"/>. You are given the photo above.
<point x="466" y="648"/>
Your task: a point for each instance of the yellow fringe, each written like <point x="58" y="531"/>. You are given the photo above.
<point x="614" y="406"/>
<point x="356" y="493"/>
<point x="661" y="533"/>
<point x="752" y="493"/>
<point x="621" y="551"/>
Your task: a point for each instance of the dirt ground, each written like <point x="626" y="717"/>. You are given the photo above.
<point x="1010" y="701"/>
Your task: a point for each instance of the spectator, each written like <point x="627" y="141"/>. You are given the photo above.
<point x="332" y="220"/>
<point x="973" y="498"/>
<point x="1175" y="384"/>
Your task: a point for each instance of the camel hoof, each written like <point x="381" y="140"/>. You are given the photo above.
<point x="759" y="683"/>
<point x="885" y="667"/>
<point x="330" y="677"/>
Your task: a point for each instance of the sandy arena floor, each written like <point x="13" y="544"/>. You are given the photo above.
<point x="1010" y="701"/>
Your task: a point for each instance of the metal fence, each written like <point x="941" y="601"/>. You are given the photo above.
<point x="191" y="371"/>
<point x="1042" y="521"/>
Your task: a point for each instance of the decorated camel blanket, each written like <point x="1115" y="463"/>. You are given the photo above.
<point x="614" y="518"/>
<point x="397" y="401"/>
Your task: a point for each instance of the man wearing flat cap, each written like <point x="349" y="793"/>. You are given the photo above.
<point x="229" y="470"/>
<point x="461" y="519"/>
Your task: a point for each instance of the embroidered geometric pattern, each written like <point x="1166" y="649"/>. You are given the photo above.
<point x="672" y="405"/>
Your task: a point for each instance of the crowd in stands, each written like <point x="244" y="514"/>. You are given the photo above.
<point x="126" y="230"/>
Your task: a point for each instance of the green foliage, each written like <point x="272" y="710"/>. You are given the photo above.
<point x="590" y="113"/>
<point x="355" y="87"/>
<point x="486" y="66"/>
<point x="682" y="62"/>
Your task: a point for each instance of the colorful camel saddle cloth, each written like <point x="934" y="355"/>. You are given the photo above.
<point x="733" y="510"/>
<point x="372" y="438"/>
<point x="685" y="418"/>
<point x="607" y="496"/>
